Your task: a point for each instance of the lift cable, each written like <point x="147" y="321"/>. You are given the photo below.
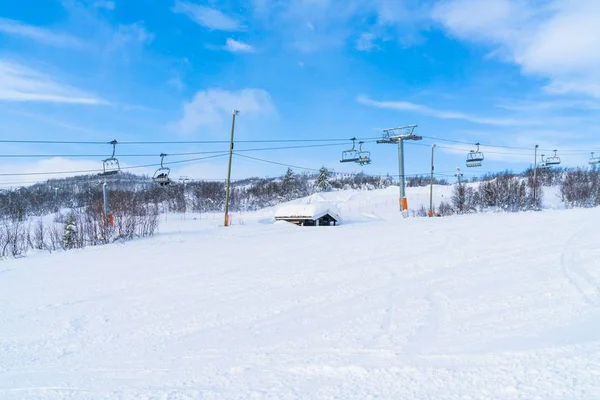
<point x="99" y="170"/>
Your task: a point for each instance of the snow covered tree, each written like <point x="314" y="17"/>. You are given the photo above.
<point x="287" y="185"/>
<point x="323" y="184"/>
<point x="70" y="233"/>
<point x="288" y="178"/>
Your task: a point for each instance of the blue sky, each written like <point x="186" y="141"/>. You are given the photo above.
<point x="501" y="72"/>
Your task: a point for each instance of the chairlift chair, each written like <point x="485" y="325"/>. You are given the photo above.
<point x="544" y="164"/>
<point x="111" y="166"/>
<point x="475" y="157"/>
<point x="161" y="176"/>
<point x="351" y="155"/>
<point x="553" y="160"/>
<point x="594" y="160"/>
<point x="364" y="157"/>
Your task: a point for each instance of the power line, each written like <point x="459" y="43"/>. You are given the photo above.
<point x="293" y="147"/>
<point x="317" y="170"/>
<point x="170" y="154"/>
<point x="99" y="170"/>
<point x="102" y="155"/>
<point x="275" y="162"/>
<point x="565" y="151"/>
<point x="180" y="141"/>
<point x="471" y="143"/>
<point x="246" y="141"/>
<point x="49" y="142"/>
<point x="175" y="142"/>
<point x="467" y="150"/>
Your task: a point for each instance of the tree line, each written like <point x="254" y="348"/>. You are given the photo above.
<point x="195" y="196"/>
<point x="135" y="201"/>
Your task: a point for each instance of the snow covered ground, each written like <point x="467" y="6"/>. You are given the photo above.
<point x="487" y="306"/>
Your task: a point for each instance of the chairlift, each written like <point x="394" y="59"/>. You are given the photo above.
<point x="544" y="164"/>
<point x="594" y="160"/>
<point x="475" y="157"/>
<point x="553" y="160"/>
<point x="111" y="166"/>
<point x="351" y="155"/>
<point x="364" y="156"/>
<point x="161" y="176"/>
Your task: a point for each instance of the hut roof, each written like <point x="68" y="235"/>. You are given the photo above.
<point x="312" y="211"/>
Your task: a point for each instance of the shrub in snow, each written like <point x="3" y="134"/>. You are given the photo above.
<point x="14" y="237"/>
<point x="80" y="227"/>
<point x="507" y="192"/>
<point x="464" y="199"/>
<point x="423" y="180"/>
<point x="581" y="188"/>
<point x="445" y="209"/>
<point x="39" y="235"/>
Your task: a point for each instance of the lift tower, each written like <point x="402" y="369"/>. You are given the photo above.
<point x="398" y="136"/>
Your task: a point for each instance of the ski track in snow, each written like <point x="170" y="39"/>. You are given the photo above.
<point x="494" y="306"/>
<point x="574" y="269"/>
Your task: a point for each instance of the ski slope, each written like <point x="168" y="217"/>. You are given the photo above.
<point x="487" y="306"/>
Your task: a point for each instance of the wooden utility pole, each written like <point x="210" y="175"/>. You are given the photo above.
<point x="535" y="174"/>
<point x="183" y="180"/>
<point x="234" y="113"/>
<point x="431" y="183"/>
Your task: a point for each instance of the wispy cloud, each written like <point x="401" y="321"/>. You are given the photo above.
<point x="441" y="114"/>
<point x="210" y="108"/>
<point x="108" y="5"/>
<point x="547" y="105"/>
<point x="235" y="46"/>
<point x="176" y="82"/>
<point x="318" y="25"/>
<point x="127" y="35"/>
<point x="208" y="17"/>
<point x="42" y="35"/>
<point x="20" y="84"/>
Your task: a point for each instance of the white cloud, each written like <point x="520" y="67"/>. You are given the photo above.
<point x="441" y="114"/>
<point x="206" y="16"/>
<point x="365" y="42"/>
<point x="56" y="164"/>
<point x="132" y="34"/>
<point x="316" y="25"/>
<point x="557" y="40"/>
<point x="238" y="47"/>
<point x="211" y="108"/>
<point x="210" y="169"/>
<point x="108" y="5"/>
<point x="308" y="25"/>
<point x="20" y="83"/>
<point x="42" y="35"/>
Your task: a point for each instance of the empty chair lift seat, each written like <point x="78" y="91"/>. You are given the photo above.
<point x="313" y="214"/>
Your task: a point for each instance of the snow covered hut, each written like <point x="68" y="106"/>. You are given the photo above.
<point x="313" y="214"/>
